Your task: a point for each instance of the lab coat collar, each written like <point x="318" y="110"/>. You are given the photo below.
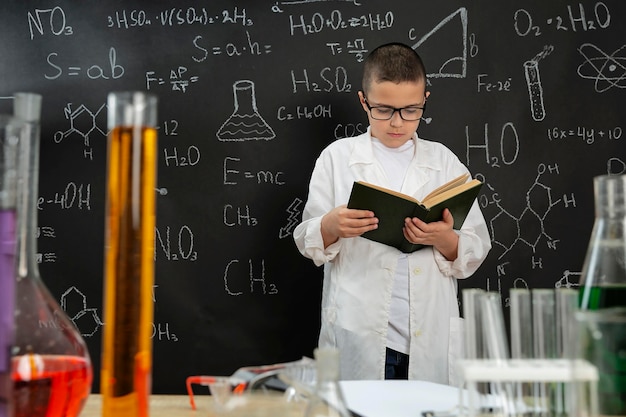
<point x="365" y="167"/>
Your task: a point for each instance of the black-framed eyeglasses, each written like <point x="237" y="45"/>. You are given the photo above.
<point x="409" y="113"/>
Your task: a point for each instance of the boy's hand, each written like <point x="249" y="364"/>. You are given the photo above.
<point x="344" y="222"/>
<point x="438" y="234"/>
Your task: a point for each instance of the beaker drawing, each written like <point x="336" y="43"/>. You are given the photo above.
<point x="245" y="123"/>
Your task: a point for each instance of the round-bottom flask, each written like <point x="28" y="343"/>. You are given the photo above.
<point x="51" y="366"/>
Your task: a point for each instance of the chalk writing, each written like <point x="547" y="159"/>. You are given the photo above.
<point x="607" y="71"/>
<point x="349" y="130"/>
<point x="587" y="135"/>
<point x="234" y="282"/>
<point x="230" y="49"/>
<point x="238" y="216"/>
<point x="615" y="166"/>
<point x="509" y="145"/>
<point x="178" y="79"/>
<point x="88" y="322"/>
<point x="576" y="19"/>
<point x="260" y="177"/>
<point x="455" y="66"/>
<point x="188" y="158"/>
<point x="83" y="122"/>
<point x="86" y="319"/>
<point x="332" y="80"/>
<point x="56" y="22"/>
<point x="184" y="250"/>
<point x="318" y="22"/>
<point x="539" y="203"/>
<point x="123" y="19"/>
<point x="192" y="16"/>
<point x="485" y="86"/>
<point x="356" y="47"/>
<point x="113" y="71"/>
<point x="74" y="196"/>
<point x="565" y="280"/>
<point x="304" y="112"/>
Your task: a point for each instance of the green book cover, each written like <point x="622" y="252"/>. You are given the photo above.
<point x="391" y="208"/>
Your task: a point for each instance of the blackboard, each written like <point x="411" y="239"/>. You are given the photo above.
<point x="530" y="95"/>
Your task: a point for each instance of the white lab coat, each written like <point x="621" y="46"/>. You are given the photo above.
<point x="359" y="273"/>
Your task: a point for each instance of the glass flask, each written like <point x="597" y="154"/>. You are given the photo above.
<point x="603" y="282"/>
<point x="129" y="254"/>
<point x="9" y="140"/>
<point x="51" y="366"/>
<point x="327" y="400"/>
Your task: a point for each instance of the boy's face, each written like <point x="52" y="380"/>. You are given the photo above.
<point x="388" y="95"/>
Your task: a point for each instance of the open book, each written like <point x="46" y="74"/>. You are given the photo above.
<point x="392" y="207"/>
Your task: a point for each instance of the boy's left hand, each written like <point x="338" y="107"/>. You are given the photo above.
<point x="438" y="234"/>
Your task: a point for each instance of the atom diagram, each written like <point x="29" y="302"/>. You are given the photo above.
<point x="607" y="70"/>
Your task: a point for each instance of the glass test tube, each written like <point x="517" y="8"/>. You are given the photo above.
<point x="520" y="320"/>
<point x="473" y="324"/>
<point x="129" y="254"/>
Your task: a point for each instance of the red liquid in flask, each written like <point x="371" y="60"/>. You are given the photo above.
<point x="50" y="385"/>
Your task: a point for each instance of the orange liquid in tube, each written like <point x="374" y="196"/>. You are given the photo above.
<point x="129" y="271"/>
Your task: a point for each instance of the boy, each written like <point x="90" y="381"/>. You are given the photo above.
<point x="392" y="315"/>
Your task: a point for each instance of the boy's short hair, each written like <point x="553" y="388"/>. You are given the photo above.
<point x="395" y="62"/>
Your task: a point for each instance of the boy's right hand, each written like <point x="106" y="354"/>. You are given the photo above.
<point x="344" y="222"/>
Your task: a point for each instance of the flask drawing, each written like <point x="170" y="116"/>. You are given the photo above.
<point x="9" y="141"/>
<point x="245" y="123"/>
<point x="126" y="370"/>
<point x="51" y="366"/>
<point x="603" y="284"/>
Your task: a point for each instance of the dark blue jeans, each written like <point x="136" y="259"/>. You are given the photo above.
<point x="396" y="365"/>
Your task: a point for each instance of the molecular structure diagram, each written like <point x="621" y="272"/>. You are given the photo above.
<point x="565" y="281"/>
<point x="74" y="303"/>
<point x="539" y="202"/>
<point x="82" y="121"/>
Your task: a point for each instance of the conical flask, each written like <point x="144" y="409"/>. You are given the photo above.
<point x="51" y="366"/>
<point x="603" y="285"/>
<point x="129" y="254"/>
<point x="327" y="400"/>
<point x="9" y="140"/>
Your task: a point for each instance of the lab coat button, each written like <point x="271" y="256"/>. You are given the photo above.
<point x="416" y="271"/>
<point x="417" y="333"/>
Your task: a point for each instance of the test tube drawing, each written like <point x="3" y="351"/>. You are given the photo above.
<point x="533" y="81"/>
<point x="245" y="123"/>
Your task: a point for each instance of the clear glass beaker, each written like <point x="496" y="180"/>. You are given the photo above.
<point x="51" y="366"/>
<point x="9" y="141"/>
<point x="129" y="254"/>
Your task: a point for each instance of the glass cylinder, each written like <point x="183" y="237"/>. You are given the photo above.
<point x="9" y="140"/>
<point x="327" y="400"/>
<point x="603" y="281"/>
<point x="51" y="366"/>
<point x="129" y="254"/>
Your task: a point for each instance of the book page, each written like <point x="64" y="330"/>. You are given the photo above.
<point x="450" y="184"/>
<point x="388" y="191"/>
<point x="434" y="200"/>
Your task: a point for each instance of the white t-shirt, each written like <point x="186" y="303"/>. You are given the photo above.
<point x="395" y="162"/>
